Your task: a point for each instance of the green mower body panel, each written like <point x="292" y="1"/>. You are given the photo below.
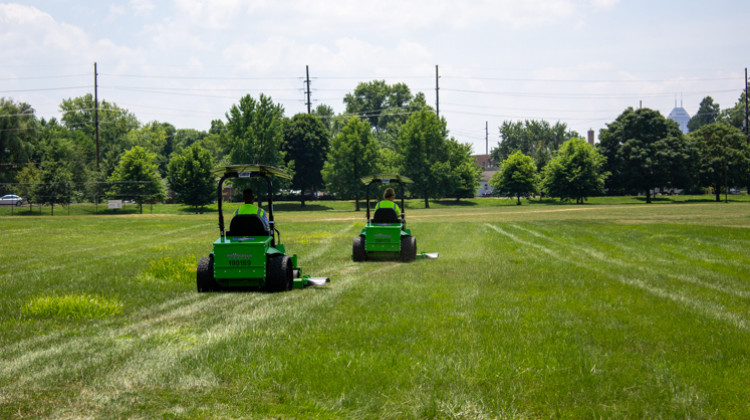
<point x="383" y="237"/>
<point x="240" y="261"/>
<point x="243" y="262"/>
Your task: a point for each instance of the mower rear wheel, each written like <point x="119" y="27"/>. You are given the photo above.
<point x="408" y="248"/>
<point x="280" y="274"/>
<point x="205" y="276"/>
<point x="358" y="249"/>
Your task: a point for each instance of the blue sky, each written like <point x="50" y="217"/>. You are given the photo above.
<point x="187" y="62"/>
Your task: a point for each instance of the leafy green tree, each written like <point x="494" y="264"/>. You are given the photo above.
<point x="724" y="157"/>
<point x="644" y="151"/>
<point x="189" y="176"/>
<point x="735" y="116"/>
<point x="54" y="184"/>
<point x="576" y="172"/>
<point x="381" y="104"/>
<point x="19" y="130"/>
<point x="306" y="143"/>
<point x="254" y="130"/>
<point x="326" y="115"/>
<point x="254" y="134"/>
<point x="530" y="137"/>
<point x="354" y="153"/>
<point x="114" y="123"/>
<point x="186" y="137"/>
<point x="517" y="177"/>
<point x="708" y="112"/>
<point x="27" y="179"/>
<point x="422" y="145"/>
<point x="462" y="174"/>
<point x="156" y="137"/>
<point x="136" y="177"/>
<point x="71" y="149"/>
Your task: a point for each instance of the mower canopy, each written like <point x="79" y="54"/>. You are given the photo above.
<point x="246" y="171"/>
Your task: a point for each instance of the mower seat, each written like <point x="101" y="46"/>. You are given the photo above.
<point x="247" y="225"/>
<point x="385" y="215"/>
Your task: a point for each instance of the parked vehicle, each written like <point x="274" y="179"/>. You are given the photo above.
<point x="11" y="200"/>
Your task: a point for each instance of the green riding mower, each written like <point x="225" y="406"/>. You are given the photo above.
<point x="385" y="235"/>
<point x="250" y="254"/>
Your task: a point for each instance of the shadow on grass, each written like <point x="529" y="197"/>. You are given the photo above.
<point x="199" y="210"/>
<point x="298" y="207"/>
<point x="642" y="199"/>
<point x="459" y="203"/>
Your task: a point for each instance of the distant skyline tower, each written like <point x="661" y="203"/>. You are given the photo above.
<point x="591" y="136"/>
<point x="680" y="116"/>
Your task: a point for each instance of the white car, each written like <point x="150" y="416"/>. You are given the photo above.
<point x="11" y="200"/>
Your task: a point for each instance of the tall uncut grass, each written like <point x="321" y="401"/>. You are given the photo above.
<point x="608" y="310"/>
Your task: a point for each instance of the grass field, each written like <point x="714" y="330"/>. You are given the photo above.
<point x="608" y="310"/>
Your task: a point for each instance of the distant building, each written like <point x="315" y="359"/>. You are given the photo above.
<point x="489" y="167"/>
<point x="591" y="136"/>
<point x="484" y="161"/>
<point x="680" y="116"/>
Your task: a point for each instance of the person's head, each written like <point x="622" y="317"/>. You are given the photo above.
<point x="389" y="194"/>
<point x="247" y="196"/>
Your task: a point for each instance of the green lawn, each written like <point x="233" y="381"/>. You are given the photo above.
<point x="613" y="309"/>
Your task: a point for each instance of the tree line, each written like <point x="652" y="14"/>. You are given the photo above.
<point x="385" y="128"/>
<point x="638" y="153"/>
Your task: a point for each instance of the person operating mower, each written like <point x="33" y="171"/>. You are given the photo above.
<point x="250" y="208"/>
<point x="387" y="203"/>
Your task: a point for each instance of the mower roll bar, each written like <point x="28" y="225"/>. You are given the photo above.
<point x="270" y="203"/>
<point x="367" y="195"/>
<point x="386" y="179"/>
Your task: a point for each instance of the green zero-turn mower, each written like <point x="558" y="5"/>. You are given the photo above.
<point x="385" y="235"/>
<point x="248" y="255"/>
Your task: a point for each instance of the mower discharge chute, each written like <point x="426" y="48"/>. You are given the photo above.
<point x="249" y="254"/>
<point x="385" y="235"/>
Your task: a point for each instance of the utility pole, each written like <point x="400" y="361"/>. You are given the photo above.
<point x="747" y="127"/>
<point x="437" y="92"/>
<point x="96" y="113"/>
<point x="307" y="82"/>
<point x="487" y="139"/>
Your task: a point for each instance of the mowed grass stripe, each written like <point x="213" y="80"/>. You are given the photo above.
<point x="68" y="247"/>
<point x="676" y="266"/>
<point x="85" y="355"/>
<point x="714" y="310"/>
<point x="152" y="313"/>
<point x="186" y="358"/>
<point x="537" y="324"/>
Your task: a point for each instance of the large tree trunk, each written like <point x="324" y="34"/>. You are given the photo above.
<point x="718" y="195"/>
<point x="356" y="202"/>
<point x="426" y="200"/>
<point x="648" y="196"/>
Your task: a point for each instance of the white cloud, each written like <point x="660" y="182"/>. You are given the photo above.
<point x="31" y="36"/>
<point x="216" y="14"/>
<point x="141" y="7"/>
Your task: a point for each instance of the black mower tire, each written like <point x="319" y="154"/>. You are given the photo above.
<point x="205" y="276"/>
<point x="358" y="249"/>
<point x="408" y="248"/>
<point x="279" y="274"/>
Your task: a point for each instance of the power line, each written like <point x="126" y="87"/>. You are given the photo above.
<point x="46" y="89"/>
